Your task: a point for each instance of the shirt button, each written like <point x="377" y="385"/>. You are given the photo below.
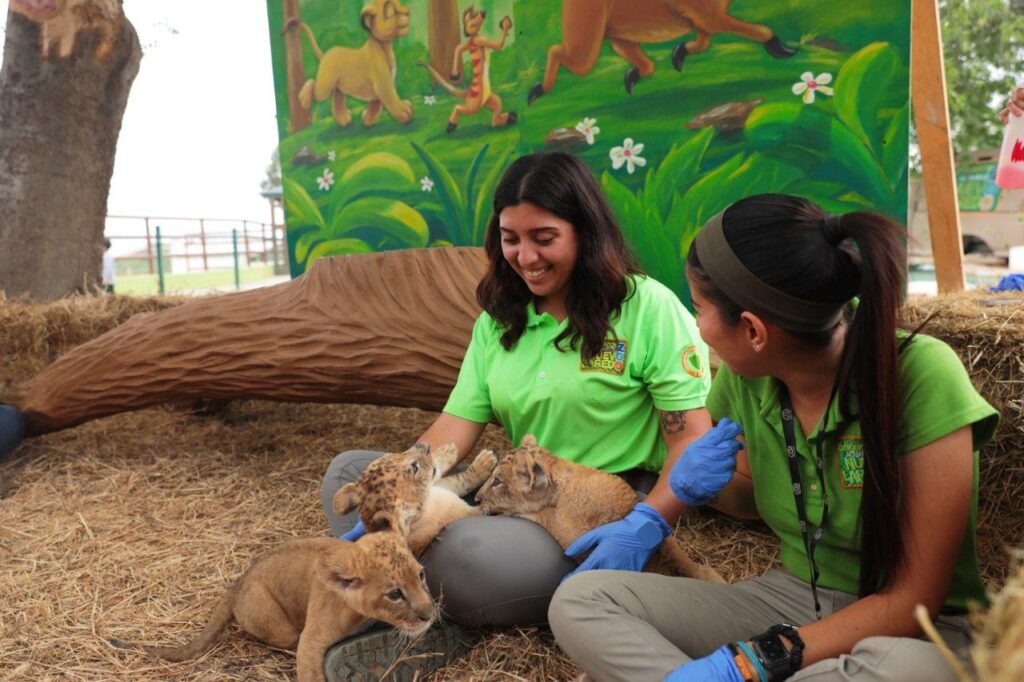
<point x="542" y="374"/>
<point x="814" y="487"/>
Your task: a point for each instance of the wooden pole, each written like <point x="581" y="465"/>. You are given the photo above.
<point x="931" y="115"/>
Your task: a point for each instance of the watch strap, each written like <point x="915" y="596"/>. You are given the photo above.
<point x="797" y="651"/>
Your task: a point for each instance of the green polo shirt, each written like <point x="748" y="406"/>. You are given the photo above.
<point x="936" y="398"/>
<point x="602" y="413"/>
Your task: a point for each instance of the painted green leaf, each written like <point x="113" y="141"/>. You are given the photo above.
<point x="866" y="176"/>
<point x="677" y="171"/>
<point x="795" y="134"/>
<point x="306" y="241"/>
<point x="860" y="88"/>
<point x="395" y="219"/>
<point x="709" y="195"/>
<point x="299" y="203"/>
<point x="338" y="247"/>
<point x="895" y="143"/>
<point x="737" y="178"/>
<point x="485" y="199"/>
<point x="469" y="181"/>
<point x="377" y="173"/>
<point x="448" y="193"/>
<point x="803" y="137"/>
<point x="643" y="229"/>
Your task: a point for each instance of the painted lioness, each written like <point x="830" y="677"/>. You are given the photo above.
<point x="569" y="499"/>
<point x="405" y="491"/>
<point x="308" y="594"/>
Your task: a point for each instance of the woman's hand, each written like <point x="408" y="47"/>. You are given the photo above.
<point x="358" y="531"/>
<point x="1014" y="105"/>
<point x="706" y="465"/>
<point x="718" y="666"/>
<point x="624" y="545"/>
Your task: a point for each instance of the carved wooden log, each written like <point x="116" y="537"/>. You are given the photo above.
<point x="385" y="328"/>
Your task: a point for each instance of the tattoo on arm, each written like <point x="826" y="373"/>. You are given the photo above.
<point x="673" y="422"/>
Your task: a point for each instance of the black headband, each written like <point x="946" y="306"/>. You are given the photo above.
<point x="727" y="273"/>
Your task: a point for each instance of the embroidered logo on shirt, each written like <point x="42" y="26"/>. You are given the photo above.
<point x="851" y="461"/>
<point x="611" y="359"/>
<point x="692" y="362"/>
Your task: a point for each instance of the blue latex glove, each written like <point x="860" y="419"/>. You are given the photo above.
<point x="707" y="464"/>
<point x="12" y="430"/>
<point x="358" y="531"/>
<point x="624" y="545"/>
<point x="717" y="666"/>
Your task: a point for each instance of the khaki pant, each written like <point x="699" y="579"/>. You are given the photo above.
<point x="636" y="627"/>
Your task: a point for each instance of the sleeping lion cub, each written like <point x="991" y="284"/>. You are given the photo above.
<point x="569" y="499"/>
<point x="308" y="594"/>
<point x="404" y="491"/>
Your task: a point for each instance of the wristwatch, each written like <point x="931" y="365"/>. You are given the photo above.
<point x="772" y="654"/>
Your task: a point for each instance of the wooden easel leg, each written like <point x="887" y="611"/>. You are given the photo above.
<point x="931" y="115"/>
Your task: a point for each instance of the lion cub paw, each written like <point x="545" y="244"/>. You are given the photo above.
<point x="486" y="460"/>
<point x="445" y="456"/>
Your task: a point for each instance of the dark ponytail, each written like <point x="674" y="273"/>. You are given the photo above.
<point x="794" y="246"/>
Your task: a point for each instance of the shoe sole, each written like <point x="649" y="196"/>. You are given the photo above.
<point x="387" y="655"/>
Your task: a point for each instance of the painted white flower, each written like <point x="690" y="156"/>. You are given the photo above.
<point x="429" y="100"/>
<point x="326" y="180"/>
<point x="810" y="84"/>
<point x="588" y="128"/>
<point x="629" y="154"/>
<point x="427" y="184"/>
<point x="332" y="155"/>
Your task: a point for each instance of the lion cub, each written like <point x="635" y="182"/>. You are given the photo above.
<point x="308" y="594"/>
<point x="404" y="492"/>
<point x="569" y="499"/>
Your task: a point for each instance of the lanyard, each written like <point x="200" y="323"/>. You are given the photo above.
<point x="810" y="542"/>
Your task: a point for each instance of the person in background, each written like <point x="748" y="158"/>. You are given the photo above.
<point x="1014" y="105"/>
<point x="109" y="271"/>
<point x="861" y="455"/>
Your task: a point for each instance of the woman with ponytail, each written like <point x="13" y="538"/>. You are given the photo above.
<point x="860" y="453"/>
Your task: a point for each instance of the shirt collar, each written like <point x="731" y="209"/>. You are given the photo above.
<point x="770" y="408"/>
<point x="535" y="319"/>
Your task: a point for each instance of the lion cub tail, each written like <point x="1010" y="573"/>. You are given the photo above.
<point x="221" y="618"/>
<point x="674" y="555"/>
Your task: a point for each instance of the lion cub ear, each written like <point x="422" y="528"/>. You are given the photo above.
<point x="530" y="471"/>
<point x="346" y="499"/>
<point x="529" y="439"/>
<point x="339" y="568"/>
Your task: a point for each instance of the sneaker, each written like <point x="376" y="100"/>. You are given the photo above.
<point x="386" y="654"/>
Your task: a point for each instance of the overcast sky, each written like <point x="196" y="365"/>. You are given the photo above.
<point x="200" y="127"/>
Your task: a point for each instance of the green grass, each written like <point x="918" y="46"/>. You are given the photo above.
<point x="144" y="285"/>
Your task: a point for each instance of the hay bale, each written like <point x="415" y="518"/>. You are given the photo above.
<point x="987" y="332"/>
<point x="998" y="649"/>
<point x="131" y="525"/>
<point x="33" y="335"/>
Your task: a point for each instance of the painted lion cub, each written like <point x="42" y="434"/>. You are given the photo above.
<point x="569" y="499"/>
<point x="308" y="594"/>
<point x="404" y="492"/>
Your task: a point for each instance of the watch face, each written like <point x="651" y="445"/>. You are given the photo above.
<point x="773" y="649"/>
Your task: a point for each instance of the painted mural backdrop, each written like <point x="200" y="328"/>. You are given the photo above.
<point x="397" y="118"/>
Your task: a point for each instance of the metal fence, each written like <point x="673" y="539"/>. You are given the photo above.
<point x="160" y="254"/>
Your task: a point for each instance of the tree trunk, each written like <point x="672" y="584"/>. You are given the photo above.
<point x="295" y="70"/>
<point x="385" y="329"/>
<point x="443" y="22"/>
<point x="61" y="105"/>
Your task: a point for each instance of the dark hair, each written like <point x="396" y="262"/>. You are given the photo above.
<point x="561" y="184"/>
<point x="793" y="245"/>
